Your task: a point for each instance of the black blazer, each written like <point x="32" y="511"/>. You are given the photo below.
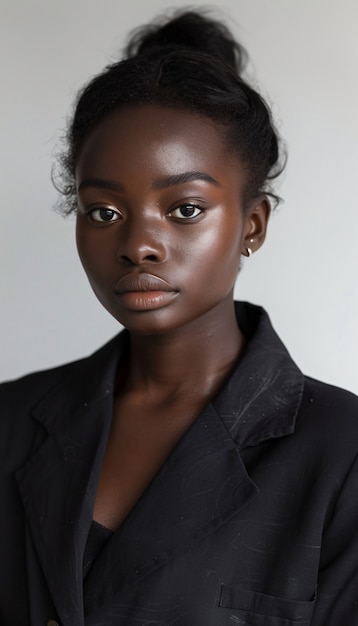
<point x="252" y="520"/>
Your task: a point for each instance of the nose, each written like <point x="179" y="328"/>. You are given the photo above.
<point x="141" y="241"/>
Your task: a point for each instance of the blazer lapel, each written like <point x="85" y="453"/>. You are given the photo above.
<point x="58" y="483"/>
<point x="202" y="485"/>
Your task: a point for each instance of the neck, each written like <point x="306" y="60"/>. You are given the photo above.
<point x="193" y="360"/>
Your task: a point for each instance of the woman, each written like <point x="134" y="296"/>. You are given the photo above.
<point x="187" y="473"/>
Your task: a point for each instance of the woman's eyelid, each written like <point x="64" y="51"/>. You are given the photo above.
<point x="98" y="206"/>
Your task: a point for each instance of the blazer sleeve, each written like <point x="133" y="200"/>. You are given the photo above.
<point x="337" y="590"/>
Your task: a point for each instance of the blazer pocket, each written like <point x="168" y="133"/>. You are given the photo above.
<point x="261" y="609"/>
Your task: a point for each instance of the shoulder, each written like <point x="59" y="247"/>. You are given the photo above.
<point x="330" y="402"/>
<point x="33" y="386"/>
<point x="328" y="418"/>
<point x="36" y="384"/>
<point x="19" y="397"/>
<point x="29" y="404"/>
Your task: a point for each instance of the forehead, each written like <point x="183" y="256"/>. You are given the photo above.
<point x="159" y="141"/>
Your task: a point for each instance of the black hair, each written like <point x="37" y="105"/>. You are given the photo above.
<point x="189" y="61"/>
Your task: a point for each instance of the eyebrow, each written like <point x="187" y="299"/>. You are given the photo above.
<point x="162" y="183"/>
<point x="100" y="183"/>
<point x="185" y="177"/>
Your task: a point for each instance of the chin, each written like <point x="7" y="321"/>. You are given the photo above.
<point x="151" y="322"/>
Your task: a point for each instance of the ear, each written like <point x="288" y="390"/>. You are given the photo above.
<point x="255" y="225"/>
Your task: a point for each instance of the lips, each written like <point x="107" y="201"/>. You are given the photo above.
<point x="141" y="283"/>
<point x="144" y="292"/>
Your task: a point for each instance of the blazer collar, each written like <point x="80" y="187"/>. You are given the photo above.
<point x="81" y="384"/>
<point x="259" y="401"/>
<point x="261" y="398"/>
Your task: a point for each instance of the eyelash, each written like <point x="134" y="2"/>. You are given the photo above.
<point x="112" y="212"/>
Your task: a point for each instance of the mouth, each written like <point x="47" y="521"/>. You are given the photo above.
<point x="144" y="292"/>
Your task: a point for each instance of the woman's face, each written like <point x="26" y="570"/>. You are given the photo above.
<point x="160" y="223"/>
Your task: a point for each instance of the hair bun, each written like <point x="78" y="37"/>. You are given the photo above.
<point x="188" y="30"/>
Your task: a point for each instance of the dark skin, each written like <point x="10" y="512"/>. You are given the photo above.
<point x="161" y="229"/>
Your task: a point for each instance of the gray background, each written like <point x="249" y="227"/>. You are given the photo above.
<point x="304" y="58"/>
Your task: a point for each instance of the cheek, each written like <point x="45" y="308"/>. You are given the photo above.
<point x="95" y="251"/>
<point x="221" y="248"/>
<point x="209" y="265"/>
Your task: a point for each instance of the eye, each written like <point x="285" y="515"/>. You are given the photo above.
<point x="104" y="215"/>
<point x="186" y="211"/>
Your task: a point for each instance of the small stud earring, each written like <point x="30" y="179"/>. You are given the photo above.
<point x="249" y="250"/>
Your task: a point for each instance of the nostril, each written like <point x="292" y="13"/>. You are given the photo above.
<point x="138" y="259"/>
<point x="126" y="259"/>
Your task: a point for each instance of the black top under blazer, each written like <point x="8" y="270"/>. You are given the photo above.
<point x="252" y="520"/>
